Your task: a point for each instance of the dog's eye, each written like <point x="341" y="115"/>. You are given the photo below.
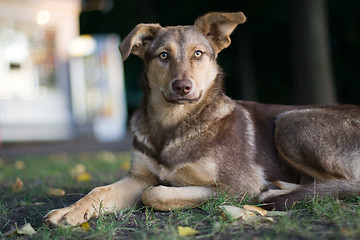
<point x="164" y="56"/>
<point x="198" y="54"/>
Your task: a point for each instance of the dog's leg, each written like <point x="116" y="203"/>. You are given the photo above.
<point x="341" y="188"/>
<point x="104" y="199"/>
<point x="286" y="186"/>
<point x="283" y="188"/>
<point x="168" y="198"/>
<point x="323" y="144"/>
<point x="119" y="195"/>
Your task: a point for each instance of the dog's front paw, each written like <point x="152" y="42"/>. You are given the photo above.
<point x="56" y="216"/>
<point x="79" y="212"/>
<point x="72" y="215"/>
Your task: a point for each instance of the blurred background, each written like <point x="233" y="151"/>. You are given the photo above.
<point x="62" y="78"/>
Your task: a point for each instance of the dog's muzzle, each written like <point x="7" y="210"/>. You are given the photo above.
<point x="182" y="87"/>
<point x="181" y="91"/>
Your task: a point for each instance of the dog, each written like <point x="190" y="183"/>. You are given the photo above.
<point x="190" y="139"/>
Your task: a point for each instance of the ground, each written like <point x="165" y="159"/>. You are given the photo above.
<point x="44" y="176"/>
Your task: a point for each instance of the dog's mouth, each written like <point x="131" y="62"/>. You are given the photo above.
<point x="182" y="99"/>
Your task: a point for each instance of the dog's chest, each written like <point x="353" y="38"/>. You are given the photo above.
<point x="201" y="172"/>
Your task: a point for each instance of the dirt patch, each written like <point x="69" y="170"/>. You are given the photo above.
<point x="17" y="210"/>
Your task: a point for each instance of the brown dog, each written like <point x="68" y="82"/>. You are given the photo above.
<point x="190" y="138"/>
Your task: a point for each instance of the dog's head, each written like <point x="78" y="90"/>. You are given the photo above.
<point x="181" y="60"/>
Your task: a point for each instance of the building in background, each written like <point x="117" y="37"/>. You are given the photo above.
<point x="48" y="89"/>
<point x="97" y="86"/>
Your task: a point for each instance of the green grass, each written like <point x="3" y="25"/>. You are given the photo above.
<point x="319" y="219"/>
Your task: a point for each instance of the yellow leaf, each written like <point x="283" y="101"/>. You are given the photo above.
<point x="250" y="217"/>
<point x="17" y="185"/>
<point x="107" y="156"/>
<point x="85" y="226"/>
<point x="77" y="170"/>
<point x="27" y="229"/>
<point x="269" y="219"/>
<point x="236" y="213"/>
<point x="20" y="165"/>
<point x="253" y="208"/>
<point x="83" y="177"/>
<point x="56" y="192"/>
<point x="125" y="165"/>
<point x="186" y="231"/>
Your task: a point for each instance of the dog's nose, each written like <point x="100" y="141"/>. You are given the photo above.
<point x="182" y="86"/>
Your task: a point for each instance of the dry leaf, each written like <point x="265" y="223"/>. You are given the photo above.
<point x="186" y="231"/>
<point x="56" y="192"/>
<point x="269" y="219"/>
<point x="237" y="213"/>
<point x="346" y="232"/>
<point x="27" y="229"/>
<point x="19" y="165"/>
<point x="107" y="156"/>
<point x="85" y="226"/>
<point x="17" y="185"/>
<point x="83" y="177"/>
<point x="250" y="217"/>
<point x="256" y="209"/>
<point x="79" y="173"/>
<point x="78" y="169"/>
<point x="125" y="165"/>
<point x="247" y="215"/>
<point x="9" y="233"/>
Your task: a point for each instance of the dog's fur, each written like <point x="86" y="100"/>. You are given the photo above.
<point x="190" y="139"/>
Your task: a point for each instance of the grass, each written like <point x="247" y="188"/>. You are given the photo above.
<point x="319" y="219"/>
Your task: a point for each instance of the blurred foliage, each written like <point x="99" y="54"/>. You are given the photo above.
<point x="267" y="33"/>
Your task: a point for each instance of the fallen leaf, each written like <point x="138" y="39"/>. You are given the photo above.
<point x="38" y="203"/>
<point x="247" y="215"/>
<point x="56" y="192"/>
<point x="186" y="231"/>
<point x="234" y="213"/>
<point x="85" y="226"/>
<point x="77" y="170"/>
<point x="269" y="219"/>
<point x="11" y="232"/>
<point x="346" y="232"/>
<point x="83" y="177"/>
<point x="253" y="208"/>
<point x="107" y="156"/>
<point x="27" y="229"/>
<point x="250" y="217"/>
<point x="20" y="165"/>
<point x="125" y="165"/>
<point x="17" y="185"/>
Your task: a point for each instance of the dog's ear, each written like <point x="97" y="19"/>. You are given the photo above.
<point x="218" y="26"/>
<point x="138" y="40"/>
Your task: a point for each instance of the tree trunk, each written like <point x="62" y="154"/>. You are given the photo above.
<point x="246" y="68"/>
<point x="312" y="73"/>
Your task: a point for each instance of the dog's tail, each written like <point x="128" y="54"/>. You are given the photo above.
<point x="340" y="189"/>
